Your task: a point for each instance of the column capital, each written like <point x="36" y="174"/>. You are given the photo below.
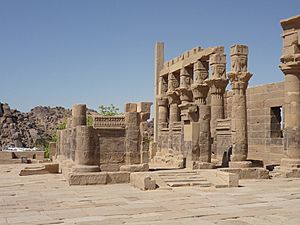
<point x="217" y="86"/>
<point x="200" y="92"/>
<point x="217" y="63"/>
<point x="162" y="100"/>
<point x="239" y="80"/>
<point x="290" y="64"/>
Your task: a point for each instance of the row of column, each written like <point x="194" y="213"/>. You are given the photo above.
<point x="183" y="96"/>
<point x="178" y="96"/>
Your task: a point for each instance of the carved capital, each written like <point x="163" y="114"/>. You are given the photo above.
<point x="162" y="101"/>
<point x="172" y="82"/>
<point x="200" y="92"/>
<point x="200" y="72"/>
<point x="217" y="86"/>
<point x="239" y="80"/>
<point x="217" y="64"/>
<point x="290" y="64"/>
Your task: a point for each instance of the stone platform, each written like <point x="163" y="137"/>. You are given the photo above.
<point x="48" y="199"/>
<point x="249" y="169"/>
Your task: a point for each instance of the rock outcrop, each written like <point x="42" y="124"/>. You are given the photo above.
<point x="29" y="129"/>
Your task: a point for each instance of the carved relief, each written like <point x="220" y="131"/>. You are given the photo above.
<point x="164" y="84"/>
<point x="109" y="122"/>
<point x="239" y="58"/>
<point x="217" y="63"/>
<point x="172" y="82"/>
<point x="200" y="72"/>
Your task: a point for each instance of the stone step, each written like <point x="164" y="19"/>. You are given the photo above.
<point x="183" y="178"/>
<point x="185" y="184"/>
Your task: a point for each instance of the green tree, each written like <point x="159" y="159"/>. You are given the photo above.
<point x="62" y="125"/>
<point x="111" y="110"/>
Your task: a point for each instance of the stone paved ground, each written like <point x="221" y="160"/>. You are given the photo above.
<point x="47" y="199"/>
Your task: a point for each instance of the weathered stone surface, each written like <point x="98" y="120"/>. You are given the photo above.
<point x="78" y="115"/>
<point x="87" y="178"/>
<point x="135" y="168"/>
<point x="249" y="173"/>
<point x="118" y="177"/>
<point x="40" y="169"/>
<point x="131" y="107"/>
<point x="143" y="181"/>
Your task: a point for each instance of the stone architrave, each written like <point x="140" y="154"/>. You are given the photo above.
<point x="290" y="66"/>
<point x="239" y="78"/>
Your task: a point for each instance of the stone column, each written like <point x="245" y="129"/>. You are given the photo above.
<point x="87" y="153"/>
<point x="78" y="115"/>
<point x="239" y="77"/>
<point x="217" y="84"/>
<point x="173" y="98"/>
<point x="132" y="138"/>
<point x="200" y="90"/>
<point x="290" y="66"/>
<point x="159" y="62"/>
<point x="162" y="111"/>
<point x="187" y="109"/>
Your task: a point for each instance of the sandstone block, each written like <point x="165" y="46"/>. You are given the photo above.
<point x="131" y="107"/>
<point x="142" y="181"/>
<point x="118" y="177"/>
<point x="135" y="168"/>
<point x="87" y="178"/>
<point x="144" y="107"/>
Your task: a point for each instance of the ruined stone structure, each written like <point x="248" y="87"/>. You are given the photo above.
<point x="290" y="66"/>
<point x="198" y="124"/>
<point x="112" y="141"/>
<point x="196" y="116"/>
<point x="184" y="129"/>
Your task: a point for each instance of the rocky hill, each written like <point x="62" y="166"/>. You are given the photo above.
<point x="29" y="129"/>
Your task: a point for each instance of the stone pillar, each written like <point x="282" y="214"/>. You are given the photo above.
<point x="217" y="84"/>
<point x="239" y="77"/>
<point x="78" y="115"/>
<point x="187" y="108"/>
<point x="290" y="66"/>
<point x="204" y="135"/>
<point x="144" y="109"/>
<point x="200" y="90"/>
<point x="159" y="62"/>
<point x="132" y="138"/>
<point x="173" y="98"/>
<point x="162" y="111"/>
<point x="87" y="153"/>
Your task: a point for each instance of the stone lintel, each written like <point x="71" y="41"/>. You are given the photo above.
<point x="174" y="65"/>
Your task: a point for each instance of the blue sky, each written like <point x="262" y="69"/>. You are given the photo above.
<point x="61" y="52"/>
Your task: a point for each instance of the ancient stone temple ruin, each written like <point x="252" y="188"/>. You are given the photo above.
<point x="199" y="122"/>
<point x="112" y="144"/>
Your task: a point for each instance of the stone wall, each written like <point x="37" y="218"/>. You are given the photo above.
<point x="111" y="142"/>
<point x="112" y="148"/>
<point x="264" y="105"/>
